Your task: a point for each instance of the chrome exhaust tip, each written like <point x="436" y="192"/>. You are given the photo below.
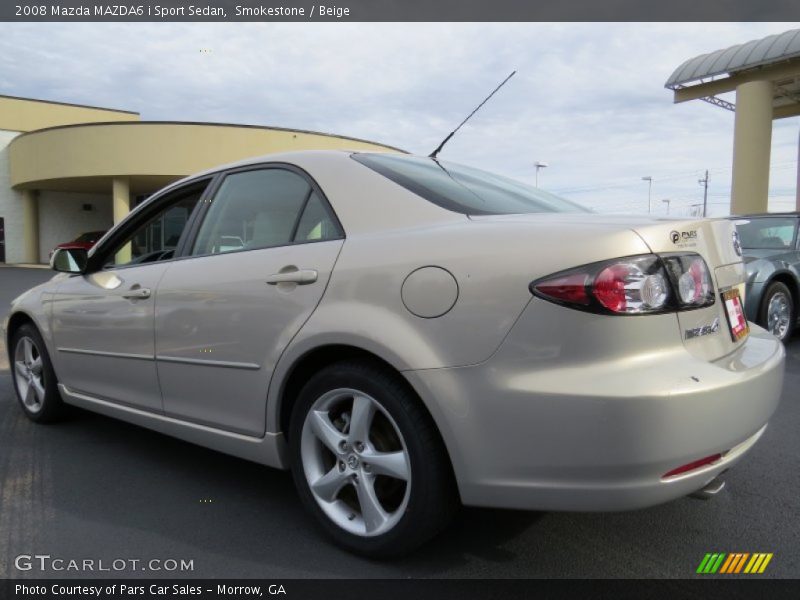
<point x="711" y="489"/>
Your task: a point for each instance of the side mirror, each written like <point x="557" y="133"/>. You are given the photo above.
<point x="69" y="260"/>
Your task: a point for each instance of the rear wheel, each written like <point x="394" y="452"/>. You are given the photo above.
<point x="34" y="379"/>
<point x="368" y="462"/>
<point x="778" y="313"/>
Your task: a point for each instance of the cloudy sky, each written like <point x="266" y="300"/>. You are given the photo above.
<point x="588" y="99"/>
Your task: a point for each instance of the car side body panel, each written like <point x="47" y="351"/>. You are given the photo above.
<point x="269" y="450"/>
<point x="36" y="305"/>
<point x="221" y="328"/>
<point x="363" y="304"/>
<point x="104" y="338"/>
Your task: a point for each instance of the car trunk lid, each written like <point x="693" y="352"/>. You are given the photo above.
<point x="705" y="331"/>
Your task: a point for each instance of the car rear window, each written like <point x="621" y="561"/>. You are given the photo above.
<point x="768" y="233"/>
<point x="465" y="189"/>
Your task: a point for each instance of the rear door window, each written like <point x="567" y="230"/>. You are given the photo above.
<point x="264" y="208"/>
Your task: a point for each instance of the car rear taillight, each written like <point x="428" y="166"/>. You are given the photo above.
<point x="632" y="286"/>
<point x="635" y="286"/>
<point x="570" y="288"/>
<point x="693" y="279"/>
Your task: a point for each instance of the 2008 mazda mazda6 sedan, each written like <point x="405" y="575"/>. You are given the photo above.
<point x="406" y="334"/>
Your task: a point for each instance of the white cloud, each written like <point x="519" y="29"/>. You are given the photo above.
<point x="587" y="98"/>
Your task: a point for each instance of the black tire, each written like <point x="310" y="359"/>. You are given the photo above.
<point x="432" y="497"/>
<point x="776" y="288"/>
<point x="52" y="407"/>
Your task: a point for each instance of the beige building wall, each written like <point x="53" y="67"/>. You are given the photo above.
<point x="152" y="150"/>
<point x="24" y="114"/>
<point x="57" y="157"/>
<point x="62" y="217"/>
<point x="11" y="208"/>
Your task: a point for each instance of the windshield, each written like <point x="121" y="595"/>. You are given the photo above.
<point x="464" y="189"/>
<point x="768" y="233"/>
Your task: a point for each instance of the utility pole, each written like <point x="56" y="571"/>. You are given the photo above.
<point x="704" y="183"/>
<point x="649" y="181"/>
<point x="667" y="201"/>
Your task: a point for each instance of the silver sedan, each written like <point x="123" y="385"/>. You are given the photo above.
<point x="406" y="335"/>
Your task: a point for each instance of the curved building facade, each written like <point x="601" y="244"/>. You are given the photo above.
<point x="68" y="169"/>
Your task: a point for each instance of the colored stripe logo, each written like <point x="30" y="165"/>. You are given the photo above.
<point x="734" y="563"/>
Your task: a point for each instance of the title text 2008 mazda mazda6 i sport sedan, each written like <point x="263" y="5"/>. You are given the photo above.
<point x="406" y="334"/>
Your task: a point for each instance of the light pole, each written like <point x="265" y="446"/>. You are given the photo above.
<point x="704" y="183"/>
<point x="667" y="202"/>
<point x="649" y="181"/>
<point x="539" y="165"/>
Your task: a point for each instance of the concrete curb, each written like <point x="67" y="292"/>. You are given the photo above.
<point x="24" y="266"/>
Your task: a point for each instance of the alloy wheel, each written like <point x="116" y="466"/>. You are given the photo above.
<point x="29" y="374"/>
<point x="778" y="315"/>
<point x="356" y="462"/>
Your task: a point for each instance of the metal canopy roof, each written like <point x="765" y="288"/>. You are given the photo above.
<point x="756" y="53"/>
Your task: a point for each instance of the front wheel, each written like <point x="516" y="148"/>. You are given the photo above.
<point x="368" y="462"/>
<point x="777" y="313"/>
<point x="34" y="379"/>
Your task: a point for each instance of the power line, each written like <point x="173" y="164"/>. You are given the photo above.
<point x="684" y="175"/>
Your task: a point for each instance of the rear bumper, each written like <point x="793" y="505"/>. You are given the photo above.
<point x="600" y="437"/>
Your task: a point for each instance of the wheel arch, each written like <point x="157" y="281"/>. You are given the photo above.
<point x="790" y="281"/>
<point x="321" y="356"/>
<point x="15" y="321"/>
<point x="21" y="317"/>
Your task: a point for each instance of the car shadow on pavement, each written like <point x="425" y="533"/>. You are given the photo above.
<point x="477" y="532"/>
<point x="133" y="492"/>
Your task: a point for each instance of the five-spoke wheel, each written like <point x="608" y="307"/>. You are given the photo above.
<point x="356" y="462"/>
<point x="34" y="378"/>
<point x="368" y="460"/>
<point x="29" y="374"/>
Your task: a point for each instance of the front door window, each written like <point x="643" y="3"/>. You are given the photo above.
<point x="157" y="239"/>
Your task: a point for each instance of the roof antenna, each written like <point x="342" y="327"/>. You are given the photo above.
<point x="452" y="133"/>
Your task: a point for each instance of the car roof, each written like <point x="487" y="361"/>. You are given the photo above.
<point x="334" y="171"/>
<point x="291" y="157"/>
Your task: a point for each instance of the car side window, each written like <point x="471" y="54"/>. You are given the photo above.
<point x="767" y="233"/>
<point x="157" y="238"/>
<point x="263" y="208"/>
<point x="316" y="223"/>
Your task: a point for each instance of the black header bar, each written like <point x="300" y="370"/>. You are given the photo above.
<point x="399" y="10"/>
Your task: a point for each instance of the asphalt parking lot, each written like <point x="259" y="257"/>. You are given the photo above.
<point x="93" y="487"/>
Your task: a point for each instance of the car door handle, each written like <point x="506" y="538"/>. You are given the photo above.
<point x="137" y="294"/>
<point x="300" y="277"/>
